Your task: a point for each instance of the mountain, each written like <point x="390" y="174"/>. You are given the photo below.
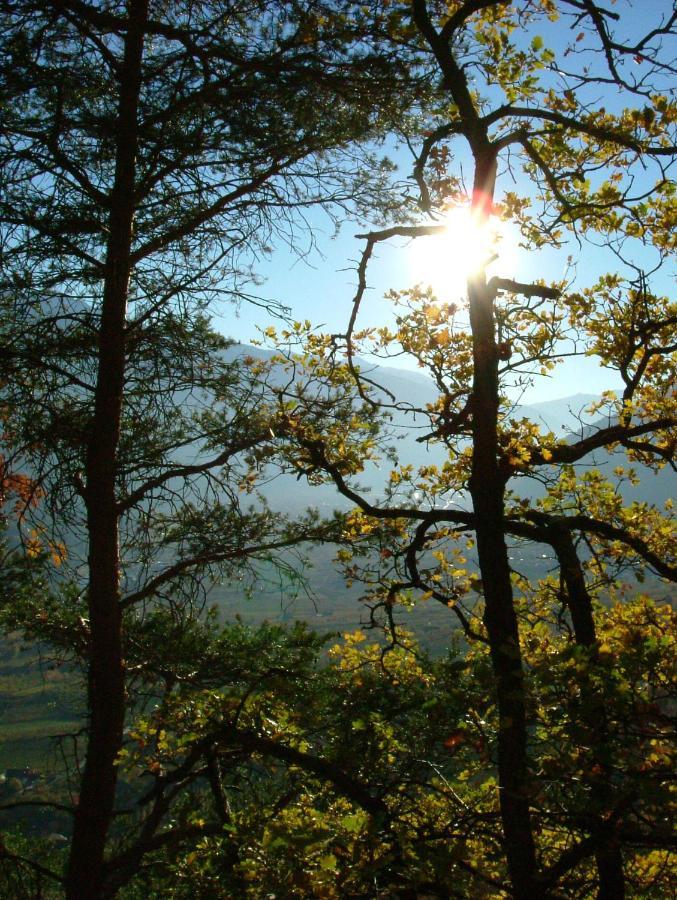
<point x="323" y="599"/>
<point x="565" y="417"/>
<point x="326" y="602"/>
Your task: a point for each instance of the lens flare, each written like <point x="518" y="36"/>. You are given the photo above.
<point x="445" y="261"/>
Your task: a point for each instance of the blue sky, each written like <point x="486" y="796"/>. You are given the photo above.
<point x="320" y="287"/>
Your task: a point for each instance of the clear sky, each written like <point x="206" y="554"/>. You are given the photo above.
<point x="320" y="287"/>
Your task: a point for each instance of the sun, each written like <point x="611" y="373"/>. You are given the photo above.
<point x="445" y="261"/>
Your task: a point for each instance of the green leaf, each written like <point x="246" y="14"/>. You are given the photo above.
<point x="352" y="823"/>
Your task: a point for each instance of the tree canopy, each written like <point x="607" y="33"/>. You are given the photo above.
<point x="150" y="156"/>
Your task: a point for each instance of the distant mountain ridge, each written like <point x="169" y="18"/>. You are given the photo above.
<point x="564" y="416"/>
<point x="560" y="415"/>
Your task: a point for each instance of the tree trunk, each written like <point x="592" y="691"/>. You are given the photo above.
<point x="487" y="489"/>
<point x="608" y="856"/>
<point x="106" y="684"/>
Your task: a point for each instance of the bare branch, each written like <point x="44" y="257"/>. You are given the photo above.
<point x="526" y="290"/>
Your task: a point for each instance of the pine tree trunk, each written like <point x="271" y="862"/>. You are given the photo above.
<point x="106" y="684"/>
<point x="487" y="489"/>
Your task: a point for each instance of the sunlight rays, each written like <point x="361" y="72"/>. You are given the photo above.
<point x="445" y="261"/>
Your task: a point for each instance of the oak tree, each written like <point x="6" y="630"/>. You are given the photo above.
<point x="522" y="83"/>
